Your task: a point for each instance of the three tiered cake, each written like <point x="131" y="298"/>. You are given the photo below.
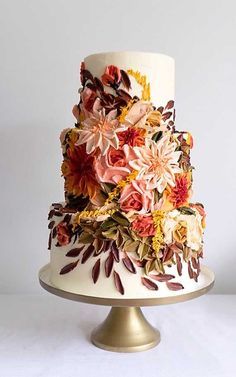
<point x="127" y="227"/>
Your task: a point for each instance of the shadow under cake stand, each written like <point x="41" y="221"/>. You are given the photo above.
<point x="126" y="329"/>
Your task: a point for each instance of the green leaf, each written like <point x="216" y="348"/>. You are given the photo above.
<point x="130" y="246"/>
<point x="85" y="238"/>
<point x="120" y="219"/>
<point x="107" y="224"/>
<point x="143" y="250"/>
<point x="110" y="233"/>
<point x="186" y="211"/>
<point x="157" y="136"/>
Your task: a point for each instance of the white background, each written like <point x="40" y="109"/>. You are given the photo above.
<point x="41" y="45"/>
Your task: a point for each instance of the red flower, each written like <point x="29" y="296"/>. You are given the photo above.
<point x="132" y="136"/>
<point x="179" y="194"/>
<point x="78" y="171"/>
<point x="111" y="76"/>
<point x="63" y="234"/>
<point x="144" y="226"/>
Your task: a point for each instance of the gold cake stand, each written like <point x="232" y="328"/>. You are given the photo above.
<point x="126" y="329"/>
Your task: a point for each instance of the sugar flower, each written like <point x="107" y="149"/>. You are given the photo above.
<point x="100" y="131"/>
<point x="144" y="226"/>
<point x="111" y="75"/>
<point x="138" y="113"/>
<point x="63" y="234"/>
<point x="157" y="162"/>
<point x="136" y="197"/>
<point x="175" y="224"/>
<point x="78" y="171"/>
<point x="180" y="193"/>
<point x="114" y="166"/>
<point x="132" y="136"/>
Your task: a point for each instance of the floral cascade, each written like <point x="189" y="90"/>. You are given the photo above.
<point x="128" y="184"/>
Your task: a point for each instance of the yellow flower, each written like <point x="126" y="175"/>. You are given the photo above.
<point x="180" y="232"/>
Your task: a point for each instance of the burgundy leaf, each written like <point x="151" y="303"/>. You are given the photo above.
<point x="74" y="252"/>
<point x="115" y="252"/>
<point x="57" y="213"/>
<point x="68" y="210"/>
<point x="51" y="224"/>
<point x="194" y="263"/>
<point x="179" y="264"/>
<point x="129" y="264"/>
<point x="125" y="79"/>
<point x="161" y="277"/>
<point x="169" y="105"/>
<point x="118" y="283"/>
<point x="86" y="75"/>
<point x="50" y="241"/>
<point x="174" y="286"/>
<point x="138" y="262"/>
<point x="160" y="109"/>
<point x="57" y="205"/>
<point x="109" y="264"/>
<point x="195" y="276"/>
<point x="51" y="213"/>
<point x="67" y="218"/>
<point x="69" y="267"/>
<point x="54" y="232"/>
<point x="87" y="254"/>
<point x="168" y="254"/>
<point x="122" y="93"/>
<point x="96" y="271"/>
<point x="149" y="284"/>
<point x="166" y="116"/>
<point x="98" y="84"/>
<point x="190" y="270"/>
<point x="91" y="86"/>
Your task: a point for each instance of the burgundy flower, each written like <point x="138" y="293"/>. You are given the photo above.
<point x="112" y="76"/>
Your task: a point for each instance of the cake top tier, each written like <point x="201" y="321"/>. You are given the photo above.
<point x="158" y="69"/>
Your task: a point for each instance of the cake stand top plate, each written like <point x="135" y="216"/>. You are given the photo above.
<point x="45" y="282"/>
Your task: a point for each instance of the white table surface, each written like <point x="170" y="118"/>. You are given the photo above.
<point x="44" y="335"/>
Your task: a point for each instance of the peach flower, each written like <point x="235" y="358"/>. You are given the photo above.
<point x="144" y="226"/>
<point x="113" y="167"/>
<point x="63" y="234"/>
<point x="136" y="197"/>
<point x="137" y="114"/>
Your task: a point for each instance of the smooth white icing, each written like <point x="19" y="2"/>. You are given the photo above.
<point x="80" y="280"/>
<point x="158" y="68"/>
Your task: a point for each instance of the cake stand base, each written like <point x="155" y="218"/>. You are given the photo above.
<point x="125" y="330"/>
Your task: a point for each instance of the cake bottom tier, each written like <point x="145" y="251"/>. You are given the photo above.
<point x="98" y="267"/>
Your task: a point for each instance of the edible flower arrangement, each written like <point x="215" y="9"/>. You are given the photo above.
<point x="128" y="182"/>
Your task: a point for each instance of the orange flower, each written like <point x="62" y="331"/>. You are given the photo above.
<point x="179" y="194"/>
<point x="78" y="171"/>
<point x="132" y="136"/>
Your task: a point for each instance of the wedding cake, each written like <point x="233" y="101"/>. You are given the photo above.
<point x="127" y="227"/>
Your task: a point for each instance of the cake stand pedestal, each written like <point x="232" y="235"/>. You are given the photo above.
<point x="125" y="329"/>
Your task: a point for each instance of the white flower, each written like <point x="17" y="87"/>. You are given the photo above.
<point x="194" y="228"/>
<point x="157" y="162"/>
